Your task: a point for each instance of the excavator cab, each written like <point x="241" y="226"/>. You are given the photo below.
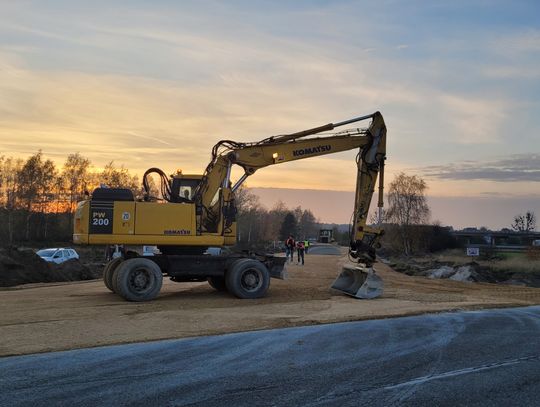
<point x="183" y="186"/>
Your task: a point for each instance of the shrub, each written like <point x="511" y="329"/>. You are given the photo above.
<point x="533" y="253"/>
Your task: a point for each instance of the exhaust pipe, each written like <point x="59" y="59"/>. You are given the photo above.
<point x="359" y="282"/>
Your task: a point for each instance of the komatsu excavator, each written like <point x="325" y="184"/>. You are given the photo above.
<point x="194" y="212"/>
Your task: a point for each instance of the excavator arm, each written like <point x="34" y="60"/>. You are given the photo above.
<point x="215" y="191"/>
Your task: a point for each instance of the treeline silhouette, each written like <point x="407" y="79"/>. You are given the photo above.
<point x="38" y="198"/>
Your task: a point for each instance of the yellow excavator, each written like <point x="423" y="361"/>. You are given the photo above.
<point x="194" y="212"/>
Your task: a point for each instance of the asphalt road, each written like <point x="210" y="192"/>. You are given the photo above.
<point x="329" y="249"/>
<point x="484" y="358"/>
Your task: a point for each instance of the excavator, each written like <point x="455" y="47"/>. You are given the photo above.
<point x="192" y="212"/>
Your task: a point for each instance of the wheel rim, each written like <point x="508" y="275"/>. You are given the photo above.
<point x="251" y="280"/>
<point x="140" y="280"/>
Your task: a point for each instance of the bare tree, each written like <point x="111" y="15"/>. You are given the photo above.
<point x="34" y="182"/>
<point x="524" y="223"/>
<point x="308" y="224"/>
<point x="289" y="226"/>
<point x="245" y="199"/>
<point x="297" y="212"/>
<point x="120" y="177"/>
<point x="76" y="177"/>
<point x="407" y="207"/>
<point x="249" y="214"/>
<point x="9" y="168"/>
<point x="115" y="177"/>
<point x="274" y="219"/>
<point x="378" y="216"/>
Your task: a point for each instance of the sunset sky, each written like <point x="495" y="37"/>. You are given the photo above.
<point x="159" y="83"/>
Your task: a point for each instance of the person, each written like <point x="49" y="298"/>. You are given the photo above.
<point x="300" y="252"/>
<point x="289" y="245"/>
<point x="306" y="245"/>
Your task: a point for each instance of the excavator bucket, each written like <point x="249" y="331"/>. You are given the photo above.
<point x="359" y="282"/>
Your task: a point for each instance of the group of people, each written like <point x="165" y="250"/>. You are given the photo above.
<point x="301" y="248"/>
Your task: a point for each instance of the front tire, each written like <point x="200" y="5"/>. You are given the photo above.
<point x="138" y="279"/>
<point x="248" y="279"/>
<point x="108" y="272"/>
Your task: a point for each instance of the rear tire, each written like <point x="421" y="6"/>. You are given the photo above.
<point x="248" y="279"/>
<point x="217" y="283"/>
<point x="108" y="272"/>
<point x="138" y="279"/>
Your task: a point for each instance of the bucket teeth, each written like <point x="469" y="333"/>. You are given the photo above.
<point x="359" y="282"/>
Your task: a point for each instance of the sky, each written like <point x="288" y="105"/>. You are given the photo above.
<point x="158" y="83"/>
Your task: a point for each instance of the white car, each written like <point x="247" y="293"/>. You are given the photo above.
<point x="57" y="255"/>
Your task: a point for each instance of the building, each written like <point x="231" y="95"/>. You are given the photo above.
<point x="504" y="240"/>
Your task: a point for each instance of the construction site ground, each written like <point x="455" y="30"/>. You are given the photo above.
<point x="60" y="316"/>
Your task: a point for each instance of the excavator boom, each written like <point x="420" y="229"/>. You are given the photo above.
<point x="371" y="143"/>
<point x="358" y="281"/>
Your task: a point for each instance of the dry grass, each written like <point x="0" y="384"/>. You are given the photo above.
<point x="454" y="255"/>
<point x="513" y="262"/>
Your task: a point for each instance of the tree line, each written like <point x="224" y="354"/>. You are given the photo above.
<point x="407" y="220"/>
<point x="37" y="201"/>
<point x="37" y="198"/>
<point x="261" y="227"/>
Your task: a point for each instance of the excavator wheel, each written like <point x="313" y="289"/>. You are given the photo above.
<point x="108" y="272"/>
<point x="217" y="283"/>
<point x="138" y="279"/>
<point x="248" y="279"/>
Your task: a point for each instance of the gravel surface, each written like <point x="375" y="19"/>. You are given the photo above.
<point x="52" y="317"/>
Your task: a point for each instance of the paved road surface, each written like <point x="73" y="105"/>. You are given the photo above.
<point x="485" y="358"/>
<point x="330" y="249"/>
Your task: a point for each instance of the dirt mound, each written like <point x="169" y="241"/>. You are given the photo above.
<point x="23" y="266"/>
<point x="471" y="271"/>
<point x="74" y="270"/>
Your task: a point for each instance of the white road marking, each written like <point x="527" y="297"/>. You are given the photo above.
<point x="460" y="372"/>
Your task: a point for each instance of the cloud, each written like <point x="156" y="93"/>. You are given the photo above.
<point x="474" y="120"/>
<point x="511" y="72"/>
<point x="523" y="41"/>
<point x="77" y="78"/>
<point x="516" y="168"/>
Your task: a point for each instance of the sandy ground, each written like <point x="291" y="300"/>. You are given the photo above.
<point x="50" y="317"/>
